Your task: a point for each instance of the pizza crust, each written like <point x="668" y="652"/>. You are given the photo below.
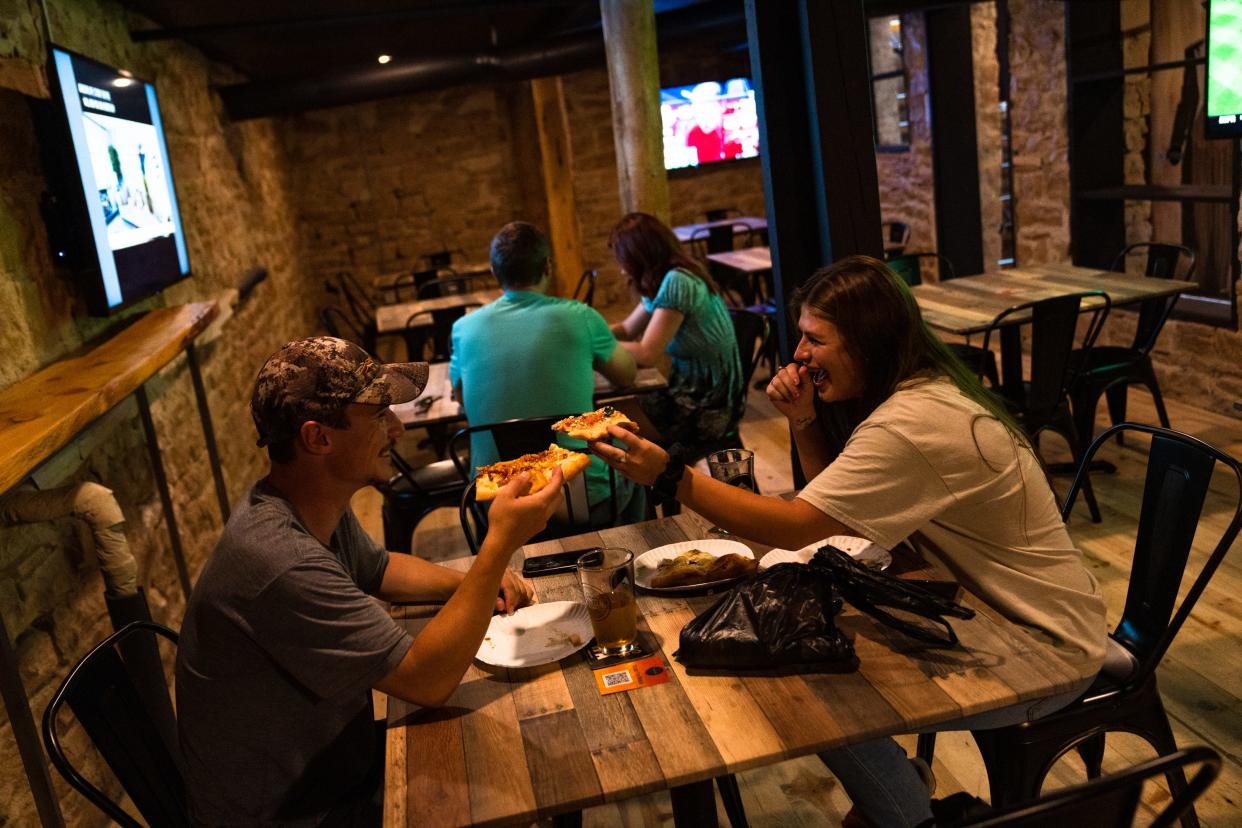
<point x="491" y="479"/>
<point x="593" y="425"/>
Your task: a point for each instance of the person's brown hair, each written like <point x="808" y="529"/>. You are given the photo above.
<point x="884" y="333"/>
<point x="646" y="249"/>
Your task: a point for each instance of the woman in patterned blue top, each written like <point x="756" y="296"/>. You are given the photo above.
<point x="681" y="314"/>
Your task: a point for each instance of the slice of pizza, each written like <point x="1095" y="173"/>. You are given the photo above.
<point x="492" y="478"/>
<point x="594" y="424"/>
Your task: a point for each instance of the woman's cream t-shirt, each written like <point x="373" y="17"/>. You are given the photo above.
<point x="933" y="466"/>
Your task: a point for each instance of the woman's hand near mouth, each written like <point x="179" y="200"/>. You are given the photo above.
<point x="793" y="394"/>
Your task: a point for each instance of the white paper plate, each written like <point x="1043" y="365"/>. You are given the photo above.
<point x="860" y="549"/>
<point x="534" y="635"/>
<point x="647" y="565"/>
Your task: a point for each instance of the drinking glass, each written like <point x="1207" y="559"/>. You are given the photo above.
<point x="607" y="578"/>
<point x="735" y="467"/>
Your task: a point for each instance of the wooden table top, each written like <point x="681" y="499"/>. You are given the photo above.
<point x="446" y="410"/>
<point x="40" y="414"/>
<point x="747" y="259"/>
<point x="389" y="318"/>
<point x="514" y="745"/>
<point x="685" y="232"/>
<point x="968" y="304"/>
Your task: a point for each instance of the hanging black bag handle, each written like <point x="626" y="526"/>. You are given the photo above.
<point x="871" y="591"/>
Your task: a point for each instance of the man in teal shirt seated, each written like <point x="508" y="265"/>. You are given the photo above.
<point x="532" y="355"/>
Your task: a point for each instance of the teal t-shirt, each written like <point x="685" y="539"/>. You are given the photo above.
<point x="704" y="349"/>
<point x="531" y="355"/>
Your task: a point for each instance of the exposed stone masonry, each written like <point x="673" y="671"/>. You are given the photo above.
<point x="237" y="213"/>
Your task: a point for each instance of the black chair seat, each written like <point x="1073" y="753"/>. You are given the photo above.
<point x="1125" y="697"/>
<point x="412" y="494"/>
<point x="439" y="475"/>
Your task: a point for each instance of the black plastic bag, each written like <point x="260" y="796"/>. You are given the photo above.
<point x="784" y="617"/>
<point x="779" y="618"/>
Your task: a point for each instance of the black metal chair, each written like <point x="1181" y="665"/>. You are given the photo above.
<point x="1125" y="697"/>
<point x="439" y="334"/>
<point x="412" y="494"/>
<point x="755" y="341"/>
<point x="1112" y="801"/>
<point x="1109" y="371"/>
<point x="585" y="290"/>
<point x="340" y="324"/>
<point x="721" y="213"/>
<point x="453" y="285"/>
<point x="896" y="236"/>
<point x="1040" y="403"/>
<point x="513" y="438"/>
<point x="911" y="267"/>
<point x="129" y="723"/>
<point x="412" y="282"/>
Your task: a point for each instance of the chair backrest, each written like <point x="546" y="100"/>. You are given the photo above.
<point x="440" y="258"/>
<point x="119" y="715"/>
<point x="896" y="235"/>
<point x="357" y="299"/>
<point x="343" y="326"/>
<point x="751" y="330"/>
<point x="1179" y="470"/>
<point x="585" y="290"/>
<point x="910" y="267"/>
<point x="721" y="213"/>
<point x="1054" y="324"/>
<point x="513" y="438"/>
<point x="441" y="338"/>
<point x="1163" y="262"/>
<point x="1112" y="801"/>
<point x="448" y="286"/>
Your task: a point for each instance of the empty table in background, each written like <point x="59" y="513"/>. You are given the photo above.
<point x="685" y="232"/>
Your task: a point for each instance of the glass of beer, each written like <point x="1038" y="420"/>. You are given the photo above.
<point x="607" y="578"/>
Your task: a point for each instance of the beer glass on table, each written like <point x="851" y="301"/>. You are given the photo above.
<point x="607" y="578"/>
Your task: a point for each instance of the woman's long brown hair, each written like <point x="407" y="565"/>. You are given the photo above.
<point x="647" y="249"/>
<point x="884" y="333"/>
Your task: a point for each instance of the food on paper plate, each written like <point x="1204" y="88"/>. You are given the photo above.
<point x="695" y="567"/>
<point x="594" y="424"/>
<point x="492" y="478"/>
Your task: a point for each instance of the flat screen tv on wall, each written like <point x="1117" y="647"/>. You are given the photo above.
<point x="1223" y="108"/>
<point x="112" y="211"/>
<point x="709" y="122"/>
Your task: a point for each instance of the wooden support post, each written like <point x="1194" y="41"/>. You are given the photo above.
<point x="634" y="79"/>
<point x="552" y="122"/>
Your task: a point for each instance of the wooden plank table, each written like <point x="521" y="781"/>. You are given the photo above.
<point x="968" y="304"/>
<point x="685" y="232"/>
<point x="444" y="409"/>
<point x="512" y="746"/>
<point x="393" y="318"/>
<point x="749" y="260"/>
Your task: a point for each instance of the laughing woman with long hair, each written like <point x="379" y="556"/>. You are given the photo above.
<point x="900" y="442"/>
<point x="680" y="313"/>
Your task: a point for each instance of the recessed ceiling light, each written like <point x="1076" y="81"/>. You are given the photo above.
<point x="126" y="79"/>
<point x="384" y="58"/>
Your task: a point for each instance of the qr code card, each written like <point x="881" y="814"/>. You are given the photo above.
<point x="631" y="675"/>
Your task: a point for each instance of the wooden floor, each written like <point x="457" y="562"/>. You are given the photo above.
<point x="1200" y="678"/>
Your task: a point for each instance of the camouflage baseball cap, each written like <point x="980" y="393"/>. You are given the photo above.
<point x="314" y="379"/>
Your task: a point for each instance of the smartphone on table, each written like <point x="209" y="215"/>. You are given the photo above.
<point x="554" y="563"/>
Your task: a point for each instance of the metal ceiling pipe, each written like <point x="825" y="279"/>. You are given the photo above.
<point x="261" y="99"/>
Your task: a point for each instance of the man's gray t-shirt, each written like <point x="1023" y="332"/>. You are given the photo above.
<point x="280" y="647"/>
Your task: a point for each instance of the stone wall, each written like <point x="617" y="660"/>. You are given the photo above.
<point x="1038" y="100"/>
<point x="987" y="127"/>
<point x="380" y="184"/>
<point x="236" y="212"/>
<point x="906" y="187"/>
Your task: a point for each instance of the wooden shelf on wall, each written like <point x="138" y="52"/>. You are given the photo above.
<point x="1221" y="193"/>
<point x="41" y="414"/>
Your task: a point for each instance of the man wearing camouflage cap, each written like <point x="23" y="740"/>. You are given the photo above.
<point x="282" y="641"/>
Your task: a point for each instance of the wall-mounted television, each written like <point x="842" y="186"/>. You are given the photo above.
<point x="709" y="122"/>
<point x="112" y="211"/>
<point x="1223" y="108"/>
